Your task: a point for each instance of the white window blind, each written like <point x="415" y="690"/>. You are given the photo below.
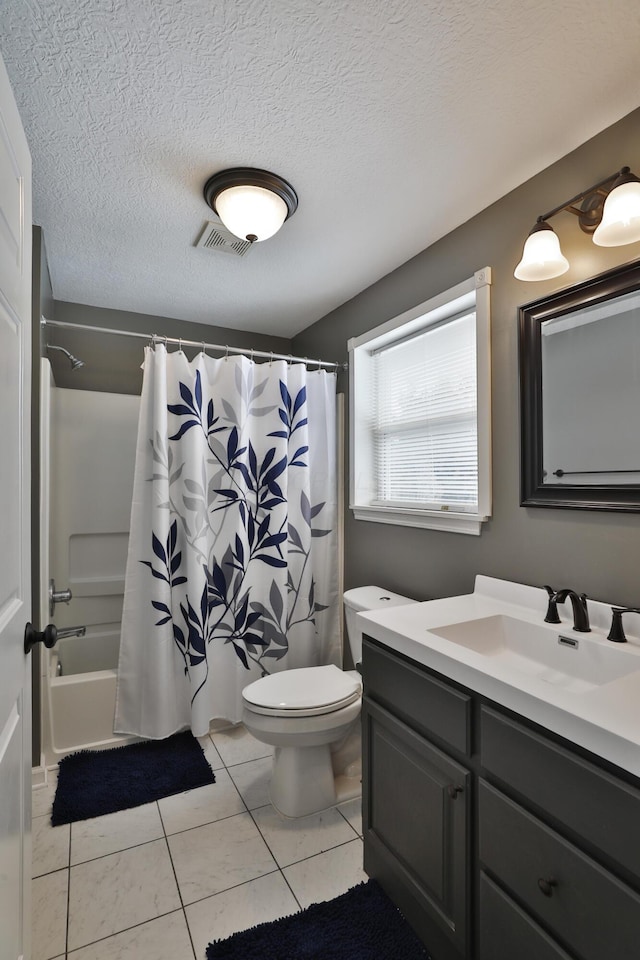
<point x="420" y="413"/>
<point x="424" y="411"/>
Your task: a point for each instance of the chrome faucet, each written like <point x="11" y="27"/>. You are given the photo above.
<point x="578" y="602"/>
<point x="63" y="632"/>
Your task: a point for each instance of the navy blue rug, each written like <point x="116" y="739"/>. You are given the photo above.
<point x="94" y="782"/>
<point x="362" y="924"/>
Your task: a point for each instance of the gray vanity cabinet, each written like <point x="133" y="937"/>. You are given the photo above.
<point x="417" y="801"/>
<point x="497" y="840"/>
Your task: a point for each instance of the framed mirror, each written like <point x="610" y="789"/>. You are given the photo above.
<point x="579" y="354"/>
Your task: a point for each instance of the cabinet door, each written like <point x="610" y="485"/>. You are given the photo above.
<point x="416" y="803"/>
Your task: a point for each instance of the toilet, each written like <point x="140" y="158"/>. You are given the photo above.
<point x="311" y="716"/>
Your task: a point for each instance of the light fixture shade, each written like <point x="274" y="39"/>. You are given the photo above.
<point x="249" y="211"/>
<point x="620" y="222"/>
<point x="542" y="258"/>
<point x="253" y="204"/>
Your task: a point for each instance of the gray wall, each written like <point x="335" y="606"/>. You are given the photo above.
<point x="112" y="363"/>
<point x="596" y="552"/>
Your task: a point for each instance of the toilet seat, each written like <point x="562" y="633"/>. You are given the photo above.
<point x="304" y="692"/>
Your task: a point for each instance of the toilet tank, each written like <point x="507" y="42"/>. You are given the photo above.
<point x="366" y="598"/>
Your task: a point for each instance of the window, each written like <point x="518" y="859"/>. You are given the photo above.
<point x="420" y="414"/>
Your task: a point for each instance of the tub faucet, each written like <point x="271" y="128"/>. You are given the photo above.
<point x="578" y="602"/>
<point x="70" y="632"/>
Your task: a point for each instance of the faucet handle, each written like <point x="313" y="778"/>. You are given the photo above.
<point x="616" y="633"/>
<point x="552" y="609"/>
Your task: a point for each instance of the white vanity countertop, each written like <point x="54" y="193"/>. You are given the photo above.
<point x="604" y="719"/>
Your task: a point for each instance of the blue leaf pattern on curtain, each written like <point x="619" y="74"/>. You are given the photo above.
<point x="234" y="527"/>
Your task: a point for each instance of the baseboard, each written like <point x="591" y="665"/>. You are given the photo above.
<point x="39" y="774"/>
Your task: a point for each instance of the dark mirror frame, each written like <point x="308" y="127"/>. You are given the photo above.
<point x="533" y="492"/>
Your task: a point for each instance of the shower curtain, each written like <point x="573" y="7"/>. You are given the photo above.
<point x="232" y="563"/>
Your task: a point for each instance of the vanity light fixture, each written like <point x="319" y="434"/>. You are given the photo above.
<point x="609" y="210"/>
<point x="253" y="204"/>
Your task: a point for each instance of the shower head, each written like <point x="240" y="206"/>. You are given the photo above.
<point x="75" y="363"/>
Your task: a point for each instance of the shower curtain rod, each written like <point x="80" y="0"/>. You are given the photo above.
<point x="181" y="342"/>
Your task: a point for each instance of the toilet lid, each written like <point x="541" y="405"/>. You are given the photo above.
<point x="307" y="691"/>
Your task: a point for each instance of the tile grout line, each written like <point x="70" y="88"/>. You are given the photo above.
<point x="347" y="819"/>
<point x="109" y="936"/>
<point x="281" y="869"/>
<point x="278" y="868"/>
<point x="250" y="812"/>
<point x="175" y="875"/>
<point x="235" y="886"/>
<point x="144" y="843"/>
<point x="133" y="926"/>
<point x="102" y="856"/>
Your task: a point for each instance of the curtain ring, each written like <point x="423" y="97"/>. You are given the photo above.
<point x="270" y="357"/>
<point x="179" y="344"/>
<point x="251" y="355"/>
<point x="226" y="356"/>
<point x="203" y="348"/>
<point x="319" y="365"/>
<point x="166" y="343"/>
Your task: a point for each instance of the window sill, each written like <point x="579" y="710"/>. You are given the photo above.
<point x="470" y="523"/>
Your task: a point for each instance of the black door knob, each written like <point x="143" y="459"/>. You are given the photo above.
<point x="48" y="636"/>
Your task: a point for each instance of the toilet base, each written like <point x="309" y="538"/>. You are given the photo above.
<point x="302" y="781"/>
<point x="348" y="788"/>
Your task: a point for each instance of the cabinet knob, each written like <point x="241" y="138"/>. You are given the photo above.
<point x="454" y="791"/>
<point x="546" y="886"/>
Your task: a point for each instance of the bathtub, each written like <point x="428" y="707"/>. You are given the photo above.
<point x="79" y="712"/>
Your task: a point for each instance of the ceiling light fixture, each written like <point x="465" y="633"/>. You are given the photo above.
<point x="609" y="210"/>
<point x="252" y="204"/>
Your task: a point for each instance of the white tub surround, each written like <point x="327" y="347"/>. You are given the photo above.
<point x="78" y="713"/>
<point x="87" y="455"/>
<point x="589" y="693"/>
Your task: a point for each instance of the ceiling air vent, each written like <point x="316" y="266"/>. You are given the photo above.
<point x="216" y="237"/>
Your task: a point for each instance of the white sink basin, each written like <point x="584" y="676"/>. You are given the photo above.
<point x="539" y="651"/>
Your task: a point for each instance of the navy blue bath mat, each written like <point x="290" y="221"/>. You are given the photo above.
<point x="362" y="924"/>
<point x="94" y="782"/>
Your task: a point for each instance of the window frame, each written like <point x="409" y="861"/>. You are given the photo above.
<point x="473" y="293"/>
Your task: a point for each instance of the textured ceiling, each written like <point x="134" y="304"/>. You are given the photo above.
<point x="395" y="120"/>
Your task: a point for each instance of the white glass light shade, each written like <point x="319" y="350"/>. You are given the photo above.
<point x="251" y="212"/>
<point x="542" y="258"/>
<point x="620" y="222"/>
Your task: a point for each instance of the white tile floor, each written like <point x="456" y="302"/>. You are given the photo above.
<point x="159" y="882"/>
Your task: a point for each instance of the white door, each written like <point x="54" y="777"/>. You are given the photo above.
<point x="15" y="554"/>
